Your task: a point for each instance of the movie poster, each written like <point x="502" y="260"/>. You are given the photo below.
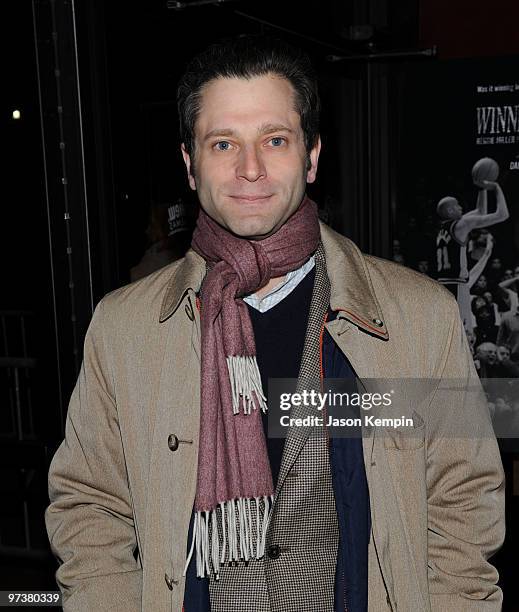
<point x="457" y="218"/>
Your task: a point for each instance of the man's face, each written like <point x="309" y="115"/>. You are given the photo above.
<point x="503" y="353"/>
<point x="457" y="211"/>
<point x="479" y="302"/>
<point x="483" y="316"/>
<point x="452" y="208"/>
<point x="487" y="353"/>
<point x="481" y="283"/>
<point x="250" y="157"/>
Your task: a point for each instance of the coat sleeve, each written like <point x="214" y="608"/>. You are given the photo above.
<point x="465" y="486"/>
<point x="89" y="520"/>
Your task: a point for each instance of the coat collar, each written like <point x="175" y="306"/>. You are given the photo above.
<point x="352" y="293"/>
<point x="188" y="274"/>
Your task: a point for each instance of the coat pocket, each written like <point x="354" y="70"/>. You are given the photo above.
<point x="406" y="437"/>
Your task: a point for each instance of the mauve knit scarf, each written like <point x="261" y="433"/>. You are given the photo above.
<point x="233" y="465"/>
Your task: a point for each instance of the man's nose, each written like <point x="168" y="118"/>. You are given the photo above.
<point x="250" y="164"/>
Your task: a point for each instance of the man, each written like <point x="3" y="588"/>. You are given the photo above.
<point x="507" y="293"/>
<point x="481" y="284"/>
<point x="507" y="369"/>
<point x="451" y="240"/>
<point x="487" y="361"/>
<point x="169" y="235"/>
<point x="494" y="272"/>
<point x="468" y="306"/>
<point x="167" y="494"/>
<point x="508" y="333"/>
<point x="485" y="329"/>
<point x="503" y="353"/>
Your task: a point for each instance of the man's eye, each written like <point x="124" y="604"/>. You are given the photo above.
<point x="223" y="145"/>
<point x="277" y="141"/>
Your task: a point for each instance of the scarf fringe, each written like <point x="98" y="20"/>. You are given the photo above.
<point x="239" y="541"/>
<point x="245" y="383"/>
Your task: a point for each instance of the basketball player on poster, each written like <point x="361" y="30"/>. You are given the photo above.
<point x="452" y="238"/>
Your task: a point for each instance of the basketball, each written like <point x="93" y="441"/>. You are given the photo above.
<point x="485" y="169"/>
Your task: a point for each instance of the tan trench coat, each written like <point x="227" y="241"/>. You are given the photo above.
<point x="437" y="504"/>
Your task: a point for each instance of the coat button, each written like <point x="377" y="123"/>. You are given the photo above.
<point x="274" y="551"/>
<point x="169" y="581"/>
<point x="378" y="322"/>
<point x="174" y="442"/>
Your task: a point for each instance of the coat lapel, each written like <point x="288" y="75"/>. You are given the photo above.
<point x="309" y="373"/>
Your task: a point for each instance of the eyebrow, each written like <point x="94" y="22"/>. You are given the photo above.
<point x="266" y="128"/>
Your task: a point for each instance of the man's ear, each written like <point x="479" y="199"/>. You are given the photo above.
<point x="187" y="161"/>
<point x="314" y="160"/>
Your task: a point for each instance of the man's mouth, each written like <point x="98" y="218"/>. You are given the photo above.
<point x="250" y="198"/>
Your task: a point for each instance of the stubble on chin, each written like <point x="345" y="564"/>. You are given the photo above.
<point x="252" y="231"/>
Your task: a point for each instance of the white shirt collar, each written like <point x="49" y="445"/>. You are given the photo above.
<point x="280" y="292"/>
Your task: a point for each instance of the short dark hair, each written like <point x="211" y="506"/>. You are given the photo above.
<point x="246" y="57"/>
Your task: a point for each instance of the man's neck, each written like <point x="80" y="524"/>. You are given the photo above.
<point x="273" y="282"/>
